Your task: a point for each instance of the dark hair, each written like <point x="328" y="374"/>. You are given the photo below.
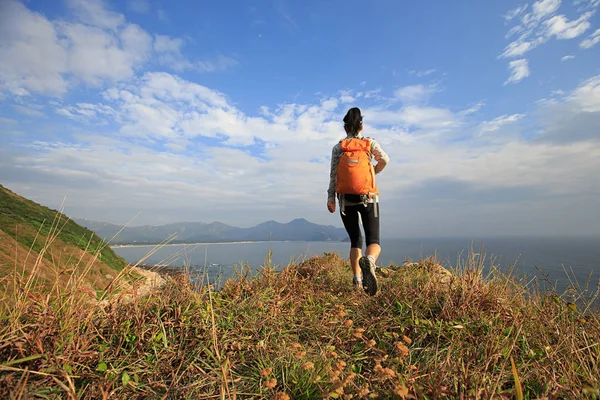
<point x="353" y="121"/>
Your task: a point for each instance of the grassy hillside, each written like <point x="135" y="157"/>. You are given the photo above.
<point x="304" y="333"/>
<point x="32" y="235"/>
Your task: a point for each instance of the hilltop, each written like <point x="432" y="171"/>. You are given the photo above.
<point x="302" y="332"/>
<point x="34" y="237"/>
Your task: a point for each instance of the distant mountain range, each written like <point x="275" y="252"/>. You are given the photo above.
<point x="199" y="232"/>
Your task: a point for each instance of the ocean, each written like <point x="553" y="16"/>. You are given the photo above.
<point x="562" y="261"/>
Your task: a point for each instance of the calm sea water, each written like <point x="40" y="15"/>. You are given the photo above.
<point x="580" y="257"/>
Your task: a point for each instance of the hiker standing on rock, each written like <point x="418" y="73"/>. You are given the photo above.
<point x="352" y="178"/>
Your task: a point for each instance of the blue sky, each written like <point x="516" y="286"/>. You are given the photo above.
<point x="204" y="111"/>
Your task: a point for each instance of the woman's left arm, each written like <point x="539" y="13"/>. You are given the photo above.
<point x="380" y="156"/>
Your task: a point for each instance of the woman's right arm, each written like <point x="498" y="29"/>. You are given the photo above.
<point x="335" y="158"/>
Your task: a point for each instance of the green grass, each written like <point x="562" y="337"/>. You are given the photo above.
<point x="303" y="333"/>
<point x="24" y="220"/>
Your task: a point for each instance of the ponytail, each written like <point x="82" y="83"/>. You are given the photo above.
<point x="353" y="121"/>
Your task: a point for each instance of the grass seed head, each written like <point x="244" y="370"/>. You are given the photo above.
<point x="281" y="396"/>
<point x="402" y="349"/>
<point x="401" y="391"/>
<point x="308" y="366"/>
<point x="358" y="333"/>
<point x="271" y="383"/>
<point x="364" y="391"/>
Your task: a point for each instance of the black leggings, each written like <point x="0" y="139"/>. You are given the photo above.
<point x="369" y="220"/>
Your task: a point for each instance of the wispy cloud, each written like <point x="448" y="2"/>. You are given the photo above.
<point x="542" y="24"/>
<point x="498" y="122"/>
<point x="560" y="27"/>
<point x="544" y="8"/>
<point x="31" y="112"/>
<point x="519" y="70"/>
<point x="282" y="9"/>
<point x="415" y="93"/>
<point x="169" y="54"/>
<point x="509" y="16"/>
<point x="567" y="57"/>
<point x="591" y="40"/>
<point x="422" y="73"/>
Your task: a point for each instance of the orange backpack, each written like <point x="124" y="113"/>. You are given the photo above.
<point x="355" y="173"/>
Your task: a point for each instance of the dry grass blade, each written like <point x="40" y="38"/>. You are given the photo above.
<point x="518" y="388"/>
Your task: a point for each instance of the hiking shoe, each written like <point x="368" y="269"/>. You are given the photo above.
<point x="369" y="279"/>
<point x="357" y="283"/>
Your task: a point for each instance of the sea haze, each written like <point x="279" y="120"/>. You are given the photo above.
<point x="560" y="260"/>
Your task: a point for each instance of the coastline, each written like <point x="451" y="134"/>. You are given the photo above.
<point x="123" y="246"/>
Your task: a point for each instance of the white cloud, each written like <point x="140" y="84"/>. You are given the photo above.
<point x="587" y="95"/>
<point x="39" y="54"/>
<point x="509" y="16"/>
<point x="97" y="47"/>
<point x="517" y="48"/>
<point x="32" y="58"/>
<point x="567" y="57"/>
<point x="413" y="117"/>
<point x="519" y="70"/>
<point x="346" y="97"/>
<point x="498" y="122"/>
<point x="169" y="54"/>
<point x="8" y="121"/>
<point x="31" y="112"/>
<point x="166" y="44"/>
<point x="541" y="25"/>
<point x="87" y="111"/>
<point x="583" y="5"/>
<point x="591" y="40"/>
<point x="167" y="158"/>
<point x="414" y="93"/>
<point x="543" y="8"/>
<point x="562" y="28"/>
<point x="473" y="109"/>
<point x="422" y="73"/>
<point x="370" y="94"/>
<point x="95" y="13"/>
<point x="95" y="55"/>
<point x="219" y="63"/>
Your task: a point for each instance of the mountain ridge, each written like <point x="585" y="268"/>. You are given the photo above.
<point x="298" y="229"/>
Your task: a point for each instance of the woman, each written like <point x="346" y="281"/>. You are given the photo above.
<point x="347" y="167"/>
